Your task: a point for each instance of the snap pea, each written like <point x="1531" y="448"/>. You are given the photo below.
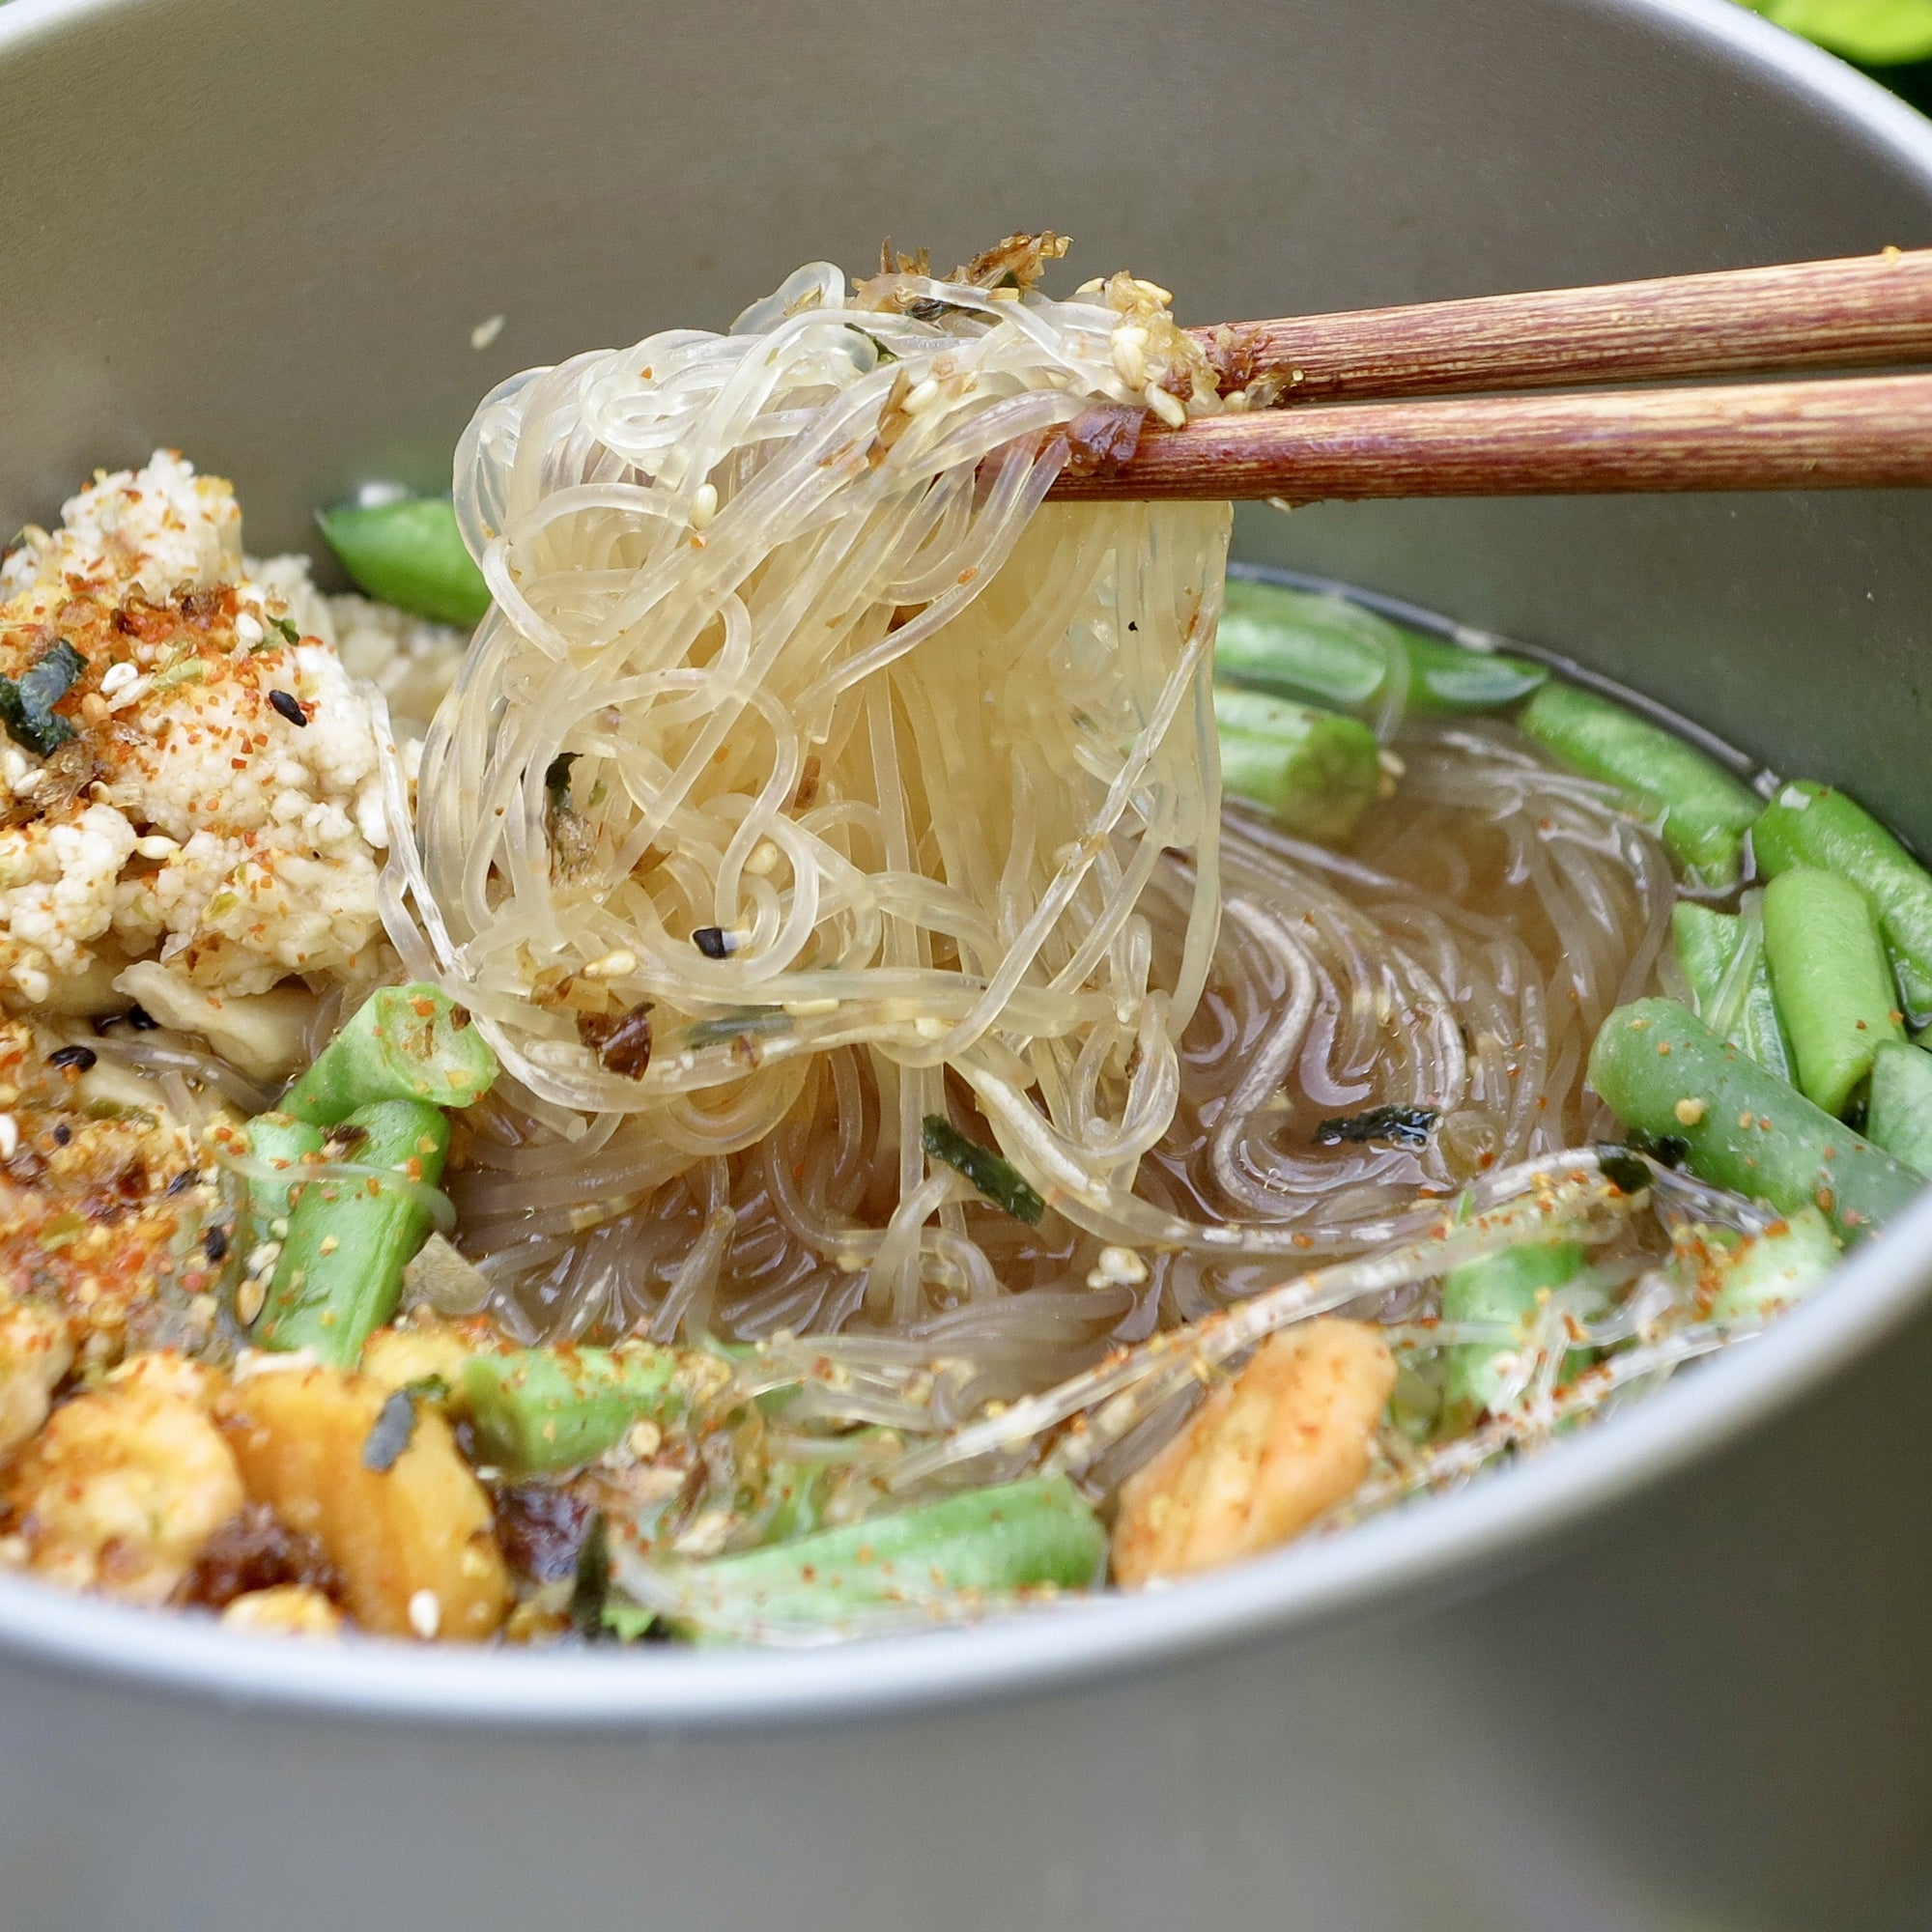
<point x="1723" y="957"/>
<point x="1829" y="978"/>
<point x="340" y="1274"/>
<point x="411" y="555"/>
<point x="401" y="1043"/>
<point x="1315" y="771"/>
<point x="1663" y="1072"/>
<point x="1899" y="1116"/>
<point x="1015" y="1536"/>
<point x="1704" y="811"/>
<point x="1771" y="1270"/>
<point x="1506" y="1286"/>
<point x="1811" y="825"/>
<point x="1325" y="650"/>
<point x="553" y="1409"/>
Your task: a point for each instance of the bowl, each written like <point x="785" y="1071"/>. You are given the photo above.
<point x="1670" y="1674"/>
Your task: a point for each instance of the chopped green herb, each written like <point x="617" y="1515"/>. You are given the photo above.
<point x="737" y="1023"/>
<point x="396" y="1426"/>
<point x="1385" y="1126"/>
<point x="1623" y="1167"/>
<point x="1666" y="1150"/>
<point x="997" y="1178"/>
<point x="591" y="1586"/>
<point x="287" y="628"/>
<point x="27" y="703"/>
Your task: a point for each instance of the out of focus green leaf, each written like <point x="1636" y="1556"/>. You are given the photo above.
<point x="1878" y="33"/>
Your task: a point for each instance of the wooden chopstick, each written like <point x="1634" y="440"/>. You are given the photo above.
<point x="1858" y="432"/>
<point x="1868" y="311"/>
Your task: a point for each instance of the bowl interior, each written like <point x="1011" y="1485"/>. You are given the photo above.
<point x="284" y="275"/>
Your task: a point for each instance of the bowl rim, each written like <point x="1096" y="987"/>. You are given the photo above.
<point x="1296" y="1591"/>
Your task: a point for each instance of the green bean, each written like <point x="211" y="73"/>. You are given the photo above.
<point x="1811" y="825"/>
<point x="340" y="1274"/>
<point x="555" y="1409"/>
<point x="1326" y="651"/>
<point x="1898" y="1116"/>
<point x="1829" y="975"/>
<point x="1015" y="1536"/>
<point x="1507" y="1286"/>
<point x="1661" y="1070"/>
<point x="282" y="1142"/>
<point x="1723" y="957"/>
<point x="401" y="1043"/>
<point x="1769" y="1271"/>
<point x="411" y="555"/>
<point x="1316" y="771"/>
<point x="1705" y="811"/>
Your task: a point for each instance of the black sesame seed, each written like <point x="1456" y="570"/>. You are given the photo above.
<point x="63" y="1134"/>
<point x="82" y="1057"/>
<point x="182" y="1181"/>
<point x="141" y="1019"/>
<point x="214" y="1245"/>
<point x="712" y="941"/>
<point x="290" y="706"/>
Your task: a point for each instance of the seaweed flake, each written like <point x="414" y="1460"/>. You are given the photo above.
<point x="1400" y="1126"/>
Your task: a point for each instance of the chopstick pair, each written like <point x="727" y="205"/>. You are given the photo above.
<point x="1433" y="430"/>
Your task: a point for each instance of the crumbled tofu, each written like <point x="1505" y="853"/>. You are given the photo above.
<point x="36" y="1350"/>
<point x="220" y="806"/>
<point x="126" y="1485"/>
<point x="285" y="1609"/>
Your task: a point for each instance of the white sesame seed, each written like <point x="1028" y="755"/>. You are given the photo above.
<point x="1129" y="350"/>
<point x="425" y="1615"/>
<point x="156" y="845"/>
<point x="486" y="333"/>
<point x="9" y="1136"/>
<point x="248" y="628"/>
<point x="644" y="1441"/>
<point x="920" y="396"/>
<point x="1169" y="408"/>
<point x="763" y="859"/>
<point x="116" y="675"/>
<point x="248" y="1301"/>
<point x="703" y="505"/>
<point x="617" y="965"/>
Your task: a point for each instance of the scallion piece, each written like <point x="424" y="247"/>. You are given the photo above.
<point x="997" y="1178"/>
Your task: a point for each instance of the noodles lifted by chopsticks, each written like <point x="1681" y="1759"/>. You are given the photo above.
<point x="800" y="720"/>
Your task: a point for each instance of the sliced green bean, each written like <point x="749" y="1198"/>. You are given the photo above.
<point x="340" y="1275"/>
<point x="1661" y="1070"/>
<point x="1772" y="1271"/>
<point x="1831" y="980"/>
<point x="282" y="1142"/>
<point x="401" y="1043"/>
<point x="1327" y="651"/>
<point x="1016" y="1536"/>
<point x="1704" y="811"/>
<point x="411" y="555"/>
<point x="1899" y="1116"/>
<point x="1811" y="825"/>
<point x="1723" y="957"/>
<point x="555" y="1409"/>
<point x="1507" y="1286"/>
<point x="1315" y="771"/>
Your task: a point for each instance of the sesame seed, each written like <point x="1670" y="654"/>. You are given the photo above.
<point x="79" y="1058"/>
<point x="617" y="965"/>
<point x="425" y="1615"/>
<point x="713" y="941"/>
<point x="288" y="706"/>
<point x="9" y="1136"/>
<point x="248" y="1301"/>
<point x="116" y="676"/>
<point x="1688" y="1111"/>
<point x="703" y="505"/>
